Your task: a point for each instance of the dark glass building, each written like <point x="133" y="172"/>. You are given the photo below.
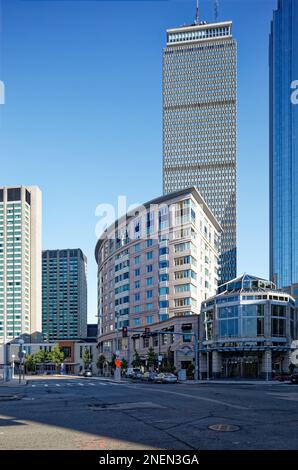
<point x="200" y="123"/>
<point x="64" y="294"/>
<point x="283" y="56"/>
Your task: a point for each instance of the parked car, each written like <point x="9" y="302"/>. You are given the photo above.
<point x="132" y="371"/>
<point x="87" y="373"/>
<point x="166" y="378"/>
<point x="282" y="377"/>
<point x="149" y="376"/>
<point x="137" y="375"/>
<point x="294" y="376"/>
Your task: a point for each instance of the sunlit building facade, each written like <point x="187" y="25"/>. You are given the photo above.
<point x="156" y="265"/>
<point x="20" y="262"/>
<point x="199" y="123"/>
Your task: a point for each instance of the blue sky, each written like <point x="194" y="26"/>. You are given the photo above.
<point x="82" y="117"/>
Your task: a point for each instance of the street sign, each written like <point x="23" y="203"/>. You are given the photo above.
<point x="118" y="363"/>
<point x="159" y="358"/>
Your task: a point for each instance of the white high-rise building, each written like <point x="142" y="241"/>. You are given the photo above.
<point x="20" y="261"/>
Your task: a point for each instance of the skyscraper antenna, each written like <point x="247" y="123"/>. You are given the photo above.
<point x="216" y="10"/>
<point x="197" y="13"/>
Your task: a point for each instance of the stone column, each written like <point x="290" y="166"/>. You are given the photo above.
<point x="202" y="366"/>
<point x="266" y="370"/>
<point x="286" y="362"/>
<point x="216" y="364"/>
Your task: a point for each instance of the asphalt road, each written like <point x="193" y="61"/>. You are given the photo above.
<point x="82" y="413"/>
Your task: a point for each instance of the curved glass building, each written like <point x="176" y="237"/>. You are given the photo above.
<point x="246" y="330"/>
<point x="283" y="59"/>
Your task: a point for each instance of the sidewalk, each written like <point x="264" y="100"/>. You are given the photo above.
<point x="13" y="383"/>
<point x="235" y="382"/>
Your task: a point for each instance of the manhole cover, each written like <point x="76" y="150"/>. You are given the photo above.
<point x="9" y="397"/>
<point x="224" y="427"/>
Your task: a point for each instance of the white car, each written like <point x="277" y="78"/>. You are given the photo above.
<point x="166" y="378"/>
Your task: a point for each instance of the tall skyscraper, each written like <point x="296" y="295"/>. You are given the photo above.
<point x="283" y="58"/>
<point x="20" y="261"/>
<point x="199" y="123"/>
<point x="64" y="294"/>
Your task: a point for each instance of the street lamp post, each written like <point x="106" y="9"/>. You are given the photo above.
<point x="23" y="362"/>
<point x="21" y="342"/>
<point x="13" y="358"/>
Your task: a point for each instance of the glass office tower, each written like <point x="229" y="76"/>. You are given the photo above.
<point x="64" y="294"/>
<point x="283" y="57"/>
<point x="199" y="123"/>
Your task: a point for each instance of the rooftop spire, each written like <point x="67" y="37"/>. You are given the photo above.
<point x="197" y="20"/>
<point x="216" y="10"/>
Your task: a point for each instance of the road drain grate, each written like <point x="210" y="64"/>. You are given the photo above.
<point x="224" y="427"/>
<point x="123" y="406"/>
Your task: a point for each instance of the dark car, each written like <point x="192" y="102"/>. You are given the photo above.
<point x="294" y="376"/>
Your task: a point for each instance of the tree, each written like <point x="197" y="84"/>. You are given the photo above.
<point x="29" y="363"/>
<point x="86" y="358"/>
<point x="136" y="360"/>
<point x="101" y="360"/>
<point x="124" y="364"/>
<point x="56" y="356"/>
<point x="151" y="357"/>
<point x="41" y="356"/>
<point x="112" y="363"/>
<point x="190" y="371"/>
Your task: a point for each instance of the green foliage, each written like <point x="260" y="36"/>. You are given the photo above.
<point x="100" y="361"/>
<point x="30" y="363"/>
<point x="40" y="357"/>
<point x="136" y="360"/>
<point x="112" y="363"/>
<point x="190" y="371"/>
<point x="151" y="357"/>
<point x="56" y="356"/>
<point x="86" y="358"/>
<point x="124" y="364"/>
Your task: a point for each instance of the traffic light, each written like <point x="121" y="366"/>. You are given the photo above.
<point x="147" y="332"/>
<point x="124" y="332"/>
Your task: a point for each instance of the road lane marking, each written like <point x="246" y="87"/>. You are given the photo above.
<point x="195" y="397"/>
